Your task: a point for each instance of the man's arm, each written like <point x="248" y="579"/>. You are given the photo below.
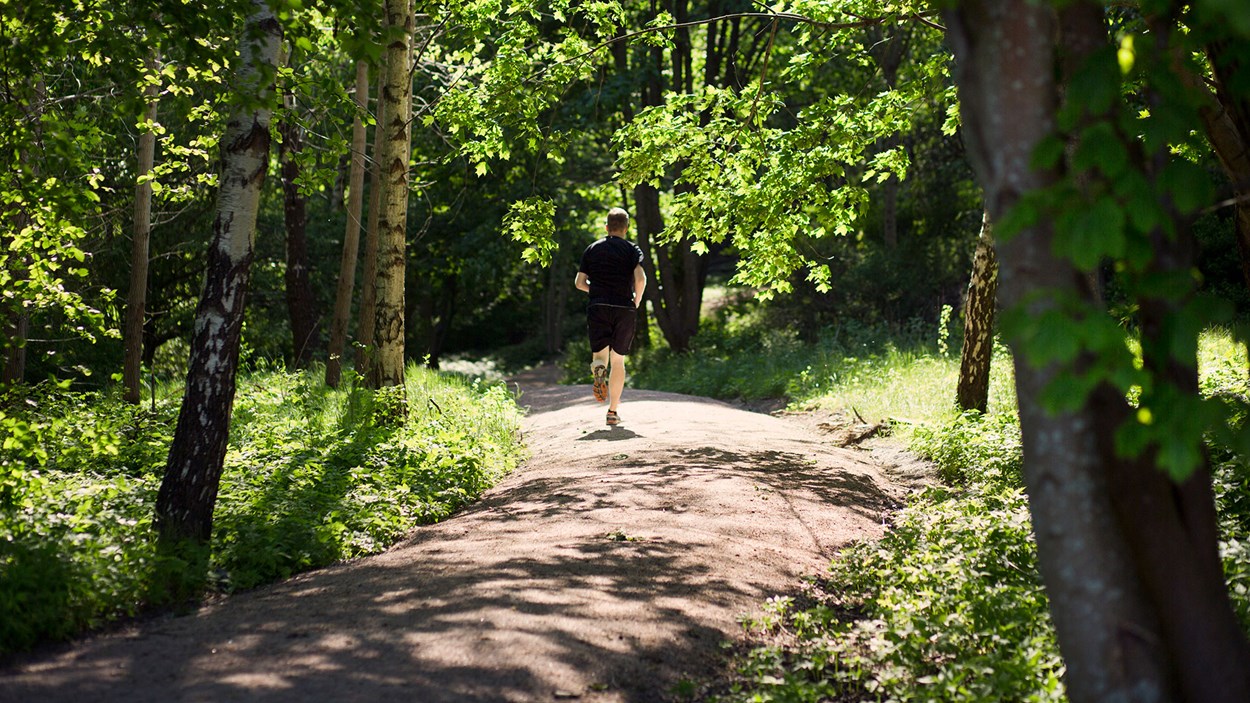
<point x="582" y="283"/>
<point x="640" y="284"/>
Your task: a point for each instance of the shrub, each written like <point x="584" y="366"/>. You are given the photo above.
<point x="948" y="606"/>
<point x="974" y="448"/>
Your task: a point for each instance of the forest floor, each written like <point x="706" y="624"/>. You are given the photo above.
<point x="612" y="566"/>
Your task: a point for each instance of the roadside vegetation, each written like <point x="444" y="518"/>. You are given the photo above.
<point x="312" y="477"/>
<point x="949" y="605"/>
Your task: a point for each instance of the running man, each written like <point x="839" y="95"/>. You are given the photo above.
<point x="611" y="272"/>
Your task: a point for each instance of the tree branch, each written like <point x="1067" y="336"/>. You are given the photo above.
<point x="921" y="17"/>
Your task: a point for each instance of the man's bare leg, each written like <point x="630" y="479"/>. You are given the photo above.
<point x="616" y="381"/>
<point x="598" y="360"/>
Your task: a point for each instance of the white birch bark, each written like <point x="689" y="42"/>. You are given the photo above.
<point x="188" y="493"/>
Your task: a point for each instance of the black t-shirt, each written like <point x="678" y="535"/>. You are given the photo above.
<point x="609" y="264"/>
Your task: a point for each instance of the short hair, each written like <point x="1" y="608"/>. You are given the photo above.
<point x="618" y="220"/>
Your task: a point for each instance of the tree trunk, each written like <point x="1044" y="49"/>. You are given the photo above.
<point x="1128" y="558"/>
<point x="299" y="295"/>
<point x="351" y="237"/>
<point x="973" y="390"/>
<point x="1227" y="126"/>
<point x="136" y="297"/>
<point x="889" y="210"/>
<point x="17" y="322"/>
<point x="367" y="315"/>
<point x="555" y="302"/>
<point x="393" y="218"/>
<point x="188" y="493"/>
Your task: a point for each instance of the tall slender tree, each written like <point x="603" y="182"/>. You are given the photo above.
<point x="351" y="236"/>
<point x="136" y="296"/>
<point x="366" y="349"/>
<point x="188" y="493"/>
<point x="299" y="295"/>
<point x="393" y="215"/>
<point x="17" y="322"/>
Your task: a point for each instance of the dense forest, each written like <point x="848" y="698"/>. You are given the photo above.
<point x="227" y="228"/>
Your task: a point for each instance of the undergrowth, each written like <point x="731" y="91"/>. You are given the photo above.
<point x="948" y="605"/>
<point x="310" y="478"/>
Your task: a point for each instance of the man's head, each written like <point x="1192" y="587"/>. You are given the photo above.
<point x="618" y="222"/>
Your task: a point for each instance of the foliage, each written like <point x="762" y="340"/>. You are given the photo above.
<point x="948" y="606"/>
<point x="310" y="478"/>
<point x="1128" y="184"/>
<point x="973" y="447"/>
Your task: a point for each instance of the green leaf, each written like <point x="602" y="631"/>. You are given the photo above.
<point x="1087" y="235"/>
<point x="1100" y="148"/>
<point x="1187" y="184"/>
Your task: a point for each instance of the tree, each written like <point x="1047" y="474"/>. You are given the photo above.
<point x="299" y="296"/>
<point x="1078" y="142"/>
<point x="393" y="215"/>
<point x="188" y="493"/>
<point x="351" y="237"/>
<point x="973" y="389"/>
<point x="366" y="348"/>
<point x="136" y="297"/>
<point x="1225" y="113"/>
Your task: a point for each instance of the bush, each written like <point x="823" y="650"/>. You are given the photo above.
<point x="974" y="448"/>
<point x="948" y="606"/>
<point x="310" y="478"/>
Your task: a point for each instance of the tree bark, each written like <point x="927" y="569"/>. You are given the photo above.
<point x="351" y="237"/>
<point x="299" y="296"/>
<point x="393" y="218"/>
<point x="17" y="322"/>
<point x="136" y="297"/>
<point x="973" y="390"/>
<point x="1128" y="557"/>
<point x="1226" y="120"/>
<point x="555" y="302"/>
<point x="367" y="315"/>
<point x="188" y="493"/>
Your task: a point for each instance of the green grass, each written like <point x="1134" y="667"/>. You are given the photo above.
<point x="310" y="478"/>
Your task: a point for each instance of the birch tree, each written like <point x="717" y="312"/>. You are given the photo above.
<point x="188" y="493"/>
<point x="393" y="215"/>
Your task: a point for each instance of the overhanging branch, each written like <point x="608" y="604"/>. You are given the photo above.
<point x="921" y="17"/>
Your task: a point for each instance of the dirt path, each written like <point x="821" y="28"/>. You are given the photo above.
<point x="609" y="567"/>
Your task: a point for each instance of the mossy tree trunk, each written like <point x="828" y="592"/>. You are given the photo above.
<point x="367" y="314"/>
<point x="299" y="296"/>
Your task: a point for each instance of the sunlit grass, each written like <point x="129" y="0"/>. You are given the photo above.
<point x="905" y="387"/>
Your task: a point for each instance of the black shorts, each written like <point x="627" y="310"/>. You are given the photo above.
<point x="613" y="326"/>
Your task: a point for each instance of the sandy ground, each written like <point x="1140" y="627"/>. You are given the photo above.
<point x="609" y="567"/>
